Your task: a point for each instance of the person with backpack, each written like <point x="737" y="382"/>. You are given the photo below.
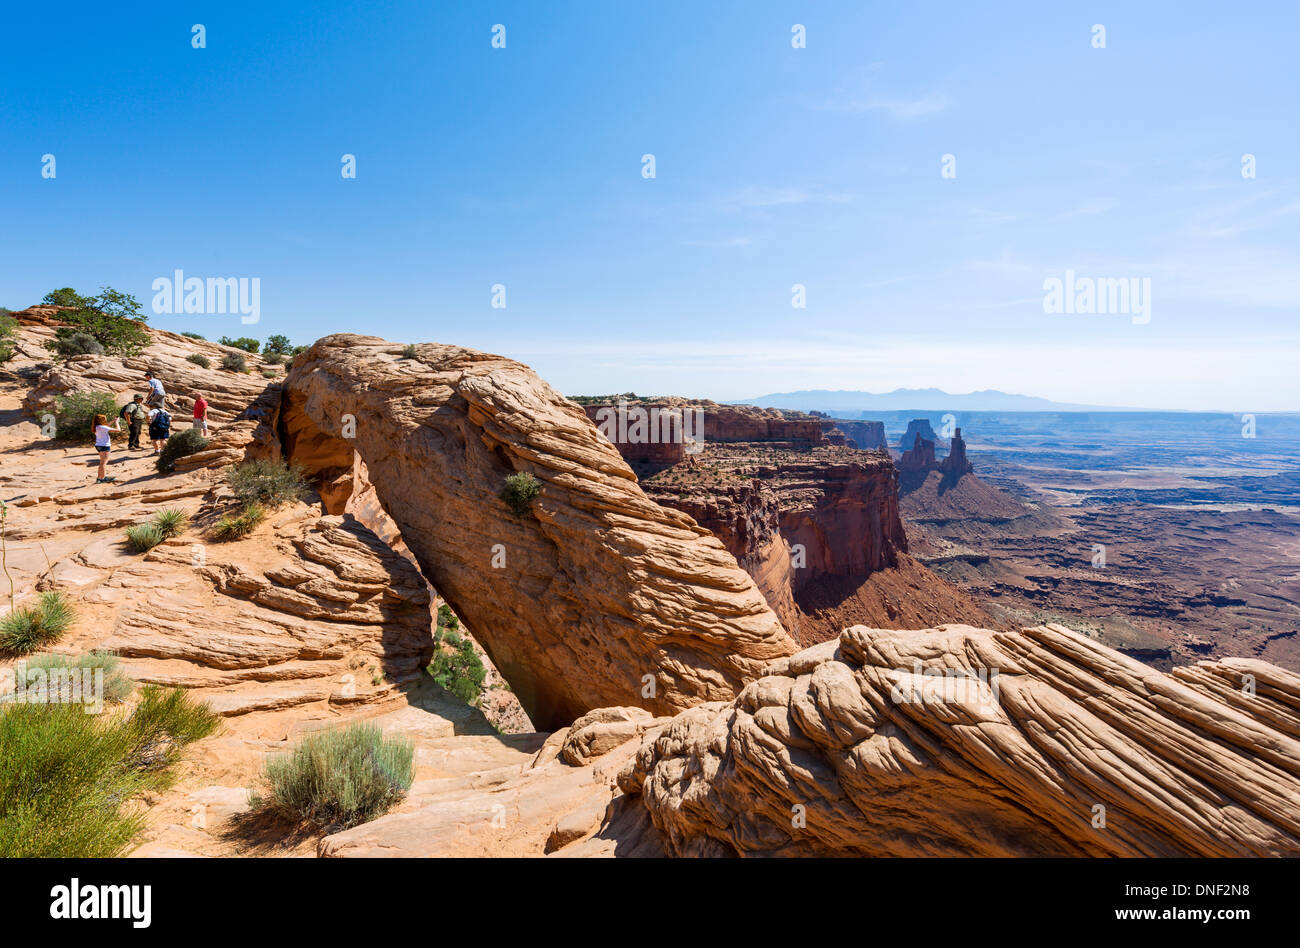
<point x="160" y="428"/>
<point x="134" y="414"/>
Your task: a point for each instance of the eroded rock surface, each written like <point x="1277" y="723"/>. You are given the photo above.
<point x="596" y="595"/>
<point x="1033" y="743"/>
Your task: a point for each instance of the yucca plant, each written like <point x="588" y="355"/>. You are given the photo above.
<point x="171" y="522"/>
<point x="143" y="537"/>
<point x="27" y="628"/>
<point x="236" y="528"/>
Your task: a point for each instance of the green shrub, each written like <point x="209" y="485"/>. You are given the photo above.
<point x="66" y="776"/>
<point x="113" y="318"/>
<point x="272" y="358"/>
<point x="447" y="619"/>
<point x="117" y="686"/>
<point x="266" y="482"/>
<point x="278" y="346"/>
<point x="519" y="491"/>
<point x="199" y="359"/>
<point x="243" y="342"/>
<point x="143" y="537"/>
<point x="27" y="628"/>
<point x="194" y="335"/>
<point x="180" y="445"/>
<point x="234" y="362"/>
<point x="408" y="352"/>
<point x="236" y="528"/>
<point x="341" y="777"/>
<point x="75" y="344"/>
<point x="457" y="668"/>
<point x="269" y="374"/>
<point x="171" y="522"/>
<point x="8" y="335"/>
<point x="73" y="414"/>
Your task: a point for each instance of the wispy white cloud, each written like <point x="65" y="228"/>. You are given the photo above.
<point x="912" y="107"/>
<point x="753" y="198"/>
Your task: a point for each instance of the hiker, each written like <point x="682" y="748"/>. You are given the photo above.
<point x="201" y="413"/>
<point x="134" y="414"/>
<point x="103" y="440"/>
<point x="160" y="428"/>
<point x="157" y="395"/>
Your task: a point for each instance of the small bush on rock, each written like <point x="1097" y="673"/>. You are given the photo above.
<point x="28" y="628"/>
<point x="519" y="491"/>
<point x="234" y="362"/>
<point x="180" y="445"/>
<point x="199" y="359"/>
<point x="341" y="777"/>
<point x="266" y="482"/>
<point x="73" y="414"/>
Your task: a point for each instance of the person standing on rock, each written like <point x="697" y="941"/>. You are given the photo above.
<point x="157" y="395"/>
<point x="135" y="415"/>
<point x="103" y="441"/>
<point x="201" y="413"/>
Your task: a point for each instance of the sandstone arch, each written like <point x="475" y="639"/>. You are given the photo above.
<point x="601" y="587"/>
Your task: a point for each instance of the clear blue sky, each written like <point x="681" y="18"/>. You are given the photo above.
<point x="775" y="166"/>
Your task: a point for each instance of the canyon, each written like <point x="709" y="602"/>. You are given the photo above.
<point x="680" y="634"/>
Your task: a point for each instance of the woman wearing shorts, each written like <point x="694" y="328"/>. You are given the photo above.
<point x="103" y="440"/>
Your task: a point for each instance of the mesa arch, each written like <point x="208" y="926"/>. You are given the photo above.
<point x="596" y="597"/>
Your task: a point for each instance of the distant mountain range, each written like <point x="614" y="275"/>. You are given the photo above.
<point x="840" y="402"/>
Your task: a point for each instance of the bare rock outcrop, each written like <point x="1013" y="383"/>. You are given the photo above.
<point x="962" y="741"/>
<point x="595" y="596"/>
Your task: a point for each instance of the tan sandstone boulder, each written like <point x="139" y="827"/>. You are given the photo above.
<point x="594" y="597"/>
<point x="962" y="741"/>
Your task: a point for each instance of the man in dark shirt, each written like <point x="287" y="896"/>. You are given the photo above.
<point x="135" y="415"/>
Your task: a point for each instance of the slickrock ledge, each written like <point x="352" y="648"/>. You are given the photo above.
<point x="576" y="601"/>
<point x="1070" y="749"/>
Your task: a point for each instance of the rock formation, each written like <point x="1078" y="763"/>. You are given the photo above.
<point x="865" y="435"/>
<point x="917" y="428"/>
<point x="963" y="742"/>
<point x="956" y="465"/>
<point x="919" y="458"/>
<point x="594" y="595"/>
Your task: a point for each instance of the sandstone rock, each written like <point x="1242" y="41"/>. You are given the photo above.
<point x="1036" y="743"/>
<point x="597" y="590"/>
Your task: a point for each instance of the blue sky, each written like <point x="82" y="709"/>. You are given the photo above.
<point x="775" y="166"/>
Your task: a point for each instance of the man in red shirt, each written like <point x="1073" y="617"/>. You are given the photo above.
<point x="201" y="413"/>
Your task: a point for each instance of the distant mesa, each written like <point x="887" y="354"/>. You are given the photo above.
<point x="841" y="403"/>
<point x="917" y="428"/>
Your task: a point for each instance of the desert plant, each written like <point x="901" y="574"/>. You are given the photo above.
<point x="459" y="669"/>
<point x="234" y="362"/>
<point x="113" y="318"/>
<point x="143" y="537"/>
<point x="266" y="482"/>
<point x="235" y="528"/>
<point x="519" y="491"/>
<point x="74" y="412"/>
<point x="243" y="342"/>
<point x="27" y="628"/>
<point x="8" y="334"/>
<point x="269" y="374"/>
<point x="278" y="345"/>
<point x="66" y="776"/>
<point x="341" y="777"/>
<point x="180" y="445"/>
<point x="75" y="344"/>
<point x="195" y="335"/>
<point x="272" y="358"/>
<point x="57" y="670"/>
<point x="408" y="352"/>
<point x="199" y="359"/>
<point x="171" y="522"/>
